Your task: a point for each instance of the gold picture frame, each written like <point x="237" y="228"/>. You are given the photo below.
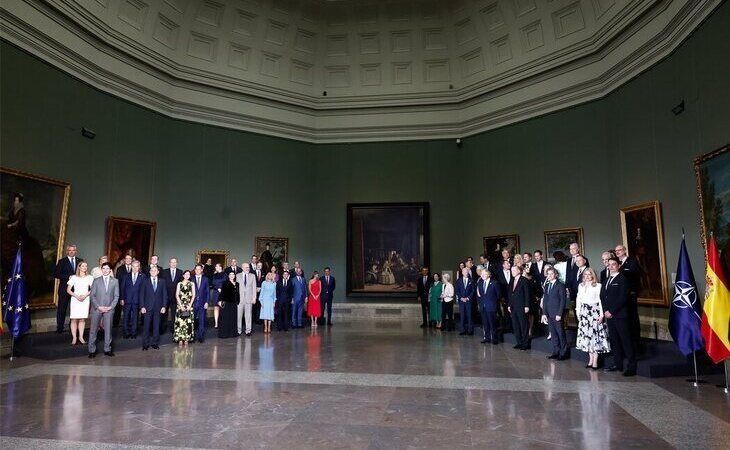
<point x="708" y="170"/>
<point x="218" y="256"/>
<point x="643" y="237"/>
<point x="559" y="239"/>
<point x="43" y="231"/>
<point x="125" y="235"/>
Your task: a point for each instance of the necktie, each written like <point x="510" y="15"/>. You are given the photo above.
<point x="73" y="264"/>
<point x="106" y="283"/>
<point x="154" y="284"/>
<point x="328" y="280"/>
<point x="198" y="279"/>
<point x="610" y="279"/>
<point x="172" y="274"/>
<point x="550" y="287"/>
<point x="134" y="278"/>
<point x="245" y="277"/>
<point x="284" y="283"/>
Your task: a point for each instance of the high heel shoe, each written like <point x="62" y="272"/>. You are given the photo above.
<point x="588" y="365"/>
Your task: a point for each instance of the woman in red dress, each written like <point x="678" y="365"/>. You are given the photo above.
<point x="314" y="304"/>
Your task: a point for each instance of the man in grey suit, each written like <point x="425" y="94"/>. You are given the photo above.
<point x="104" y="298"/>
<point x="553" y="305"/>
<point x="247" y="292"/>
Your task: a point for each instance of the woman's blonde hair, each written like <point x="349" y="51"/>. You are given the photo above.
<point x="593" y="273"/>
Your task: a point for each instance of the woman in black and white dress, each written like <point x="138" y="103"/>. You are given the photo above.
<point x="592" y="332"/>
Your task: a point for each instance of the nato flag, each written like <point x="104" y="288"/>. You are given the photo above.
<point x="15" y="304"/>
<point x="686" y="311"/>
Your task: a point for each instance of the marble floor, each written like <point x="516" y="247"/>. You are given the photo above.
<point x="358" y="385"/>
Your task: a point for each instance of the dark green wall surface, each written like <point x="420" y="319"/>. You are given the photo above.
<point x="209" y="187"/>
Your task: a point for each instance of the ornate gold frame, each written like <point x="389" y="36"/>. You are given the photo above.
<point x="53" y="301"/>
<point x="578" y="230"/>
<point x="698" y="185"/>
<point x="204" y="251"/>
<point x="664" y="301"/>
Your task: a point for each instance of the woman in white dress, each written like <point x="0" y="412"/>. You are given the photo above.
<point x="447" y="296"/>
<point x="79" y="288"/>
<point x="592" y="333"/>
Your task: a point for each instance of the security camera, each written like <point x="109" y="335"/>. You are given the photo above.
<point x="458" y="142"/>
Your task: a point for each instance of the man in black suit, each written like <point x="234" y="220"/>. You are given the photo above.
<point x="123" y="271"/>
<point x="328" y="293"/>
<point x="537" y="266"/>
<point x="154" y="262"/>
<point x="553" y="306"/>
<point x="504" y="277"/>
<point x="233" y="268"/>
<point x="519" y="308"/>
<point x="131" y="299"/>
<point x="615" y="300"/>
<point x="171" y="276"/>
<point x="422" y="288"/>
<point x="631" y="268"/>
<point x="284" y="299"/>
<point x="65" y="267"/>
<point x="575" y="279"/>
<point x="154" y="305"/>
<point x="572" y="266"/>
<point x="605" y="256"/>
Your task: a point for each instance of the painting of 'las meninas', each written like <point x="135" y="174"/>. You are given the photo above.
<point x="713" y="189"/>
<point x="387" y="246"/>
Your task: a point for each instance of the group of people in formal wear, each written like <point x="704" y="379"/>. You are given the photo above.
<point x="239" y="295"/>
<point x="524" y="292"/>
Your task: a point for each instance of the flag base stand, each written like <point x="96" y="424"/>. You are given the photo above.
<point x="696" y="383"/>
<point x="724" y="387"/>
<point x="12" y="348"/>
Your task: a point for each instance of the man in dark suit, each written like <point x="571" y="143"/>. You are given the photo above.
<point x="573" y="280"/>
<point x="260" y="278"/>
<point x="154" y="305"/>
<point x="488" y="294"/>
<point x="553" y="306"/>
<point x="284" y="296"/>
<point x="131" y="298"/>
<point x="154" y="262"/>
<point x="123" y="271"/>
<point x="65" y="267"/>
<point x="537" y="266"/>
<point x="605" y="256"/>
<point x="171" y="276"/>
<point x="615" y="300"/>
<point x="519" y="308"/>
<point x="200" y="304"/>
<point x="465" y="289"/>
<point x="503" y="275"/>
<point x="233" y="268"/>
<point x="572" y="264"/>
<point x="631" y="268"/>
<point x="422" y="287"/>
<point x="299" y="294"/>
<point x="328" y="293"/>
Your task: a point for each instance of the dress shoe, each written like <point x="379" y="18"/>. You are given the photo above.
<point x="59" y="331"/>
<point x="423" y="325"/>
<point x="612" y="369"/>
<point x="594" y="368"/>
<point x="145" y="348"/>
<point x="92" y="355"/>
<point x="630" y="373"/>
<point x="486" y="341"/>
<point x="588" y="366"/>
<point x="329" y="324"/>
<point x="108" y="353"/>
<point x="525" y="347"/>
<point x="562" y="358"/>
<point x="552" y="357"/>
<point x="248" y="334"/>
<point x="156" y="347"/>
<point x="517" y="346"/>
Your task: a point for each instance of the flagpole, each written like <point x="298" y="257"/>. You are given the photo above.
<point x="727" y="384"/>
<point x="695" y="381"/>
<point x="12" y="350"/>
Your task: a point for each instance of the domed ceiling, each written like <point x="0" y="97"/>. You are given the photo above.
<point x="347" y="70"/>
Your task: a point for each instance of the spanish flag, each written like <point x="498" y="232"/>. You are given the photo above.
<point x="716" y="315"/>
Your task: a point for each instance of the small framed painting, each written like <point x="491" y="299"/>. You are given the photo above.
<point x="557" y="242"/>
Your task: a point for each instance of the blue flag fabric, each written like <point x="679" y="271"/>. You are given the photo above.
<point x="685" y="314"/>
<point x="16" y="312"/>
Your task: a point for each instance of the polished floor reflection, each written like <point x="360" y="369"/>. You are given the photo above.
<point x="357" y="385"/>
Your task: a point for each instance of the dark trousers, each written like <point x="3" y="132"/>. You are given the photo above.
<point x="489" y="323"/>
<point x="327" y="308"/>
<point x="505" y="321"/>
<point x="130" y="318"/>
<point x="520" y="327"/>
<point x="63" y="301"/>
<point x="151" y="328"/>
<point x="424" y="310"/>
<point x="622" y="344"/>
<point x="168" y="321"/>
<point x="282" y="315"/>
<point x="200" y="316"/>
<point x="448" y="316"/>
<point x="465" y="316"/>
<point x="298" y="313"/>
<point x="557" y="336"/>
<point x="256" y="311"/>
<point x="117" y="318"/>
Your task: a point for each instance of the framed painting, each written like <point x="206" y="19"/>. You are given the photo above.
<point x="643" y="235"/>
<point x="559" y="240"/>
<point x="387" y="244"/>
<point x="216" y="257"/>
<point x="34" y="213"/>
<point x="272" y="251"/>
<point x="712" y="172"/>
<point x="129" y="237"/>
<point x="493" y="246"/>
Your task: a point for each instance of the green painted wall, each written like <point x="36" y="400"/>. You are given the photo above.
<point x="209" y="187"/>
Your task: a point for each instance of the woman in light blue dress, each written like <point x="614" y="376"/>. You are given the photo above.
<point x="267" y="297"/>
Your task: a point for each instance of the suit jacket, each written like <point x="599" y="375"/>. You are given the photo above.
<point x="519" y="296"/>
<point x="154" y="300"/>
<point x="489" y="298"/>
<point x="571" y="281"/>
<point x="604" y="275"/>
<point x="554" y="301"/>
<point x="104" y="297"/>
<point x="299" y="291"/>
<point x="230" y="269"/>
<point x="504" y="282"/>
<point x="632" y="270"/>
<point x="122" y="273"/>
<point x="421" y="289"/>
<point x="171" y="283"/>
<point x="615" y="296"/>
<point x="259" y="281"/>
<point x="64" y="270"/>
<point x="328" y="289"/>
<point x="247" y="291"/>
<point x="537" y="272"/>
<point x="202" y="290"/>
<point x="572" y="269"/>
<point x="284" y="294"/>
<point x="132" y="293"/>
<point x="465" y="291"/>
<point x="146" y="270"/>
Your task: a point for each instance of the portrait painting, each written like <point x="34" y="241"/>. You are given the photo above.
<point x="272" y="251"/>
<point x="215" y="256"/>
<point x="493" y="246"/>
<point x="557" y="243"/>
<point x="129" y="237"/>
<point x="712" y="172"/>
<point x="643" y="235"/>
<point x="34" y="211"/>
<point x="387" y="244"/>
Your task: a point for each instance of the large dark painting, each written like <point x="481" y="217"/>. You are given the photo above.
<point x="34" y="211"/>
<point x="713" y="189"/>
<point x="558" y="242"/>
<point x="272" y="251"/>
<point x="129" y="237"/>
<point x="641" y="226"/>
<point x="216" y="257"/>
<point x="387" y="244"/>
<point x="493" y="246"/>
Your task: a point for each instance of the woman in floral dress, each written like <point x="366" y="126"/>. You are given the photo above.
<point x="592" y="333"/>
<point x="184" y="315"/>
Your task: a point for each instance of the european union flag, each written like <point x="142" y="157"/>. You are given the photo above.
<point x="685" y="314"/>
<point x="16" y="312"/>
